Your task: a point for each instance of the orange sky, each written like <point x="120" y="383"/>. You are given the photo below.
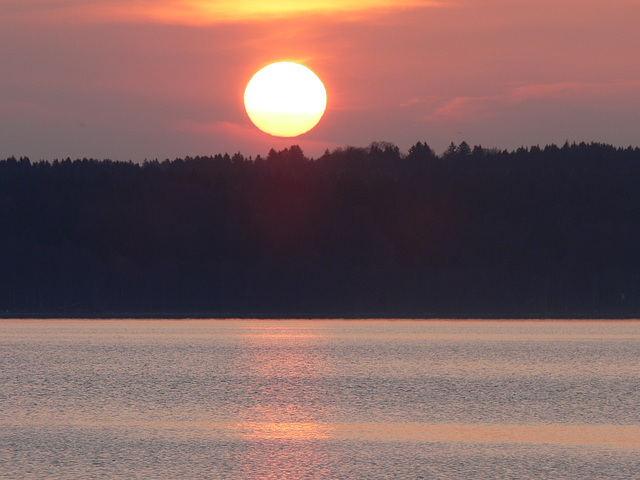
<point x="127" y="79"/>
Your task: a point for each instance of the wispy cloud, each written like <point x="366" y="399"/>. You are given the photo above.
<point x="481" y="107"/>
<point x="574" y="91"/>
<point x="196" y="12"/>
<point x="462" y="107"/>
<point x="219" y="127"/>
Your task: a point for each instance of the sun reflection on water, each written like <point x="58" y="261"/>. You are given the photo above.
<point x="284" y="430"/>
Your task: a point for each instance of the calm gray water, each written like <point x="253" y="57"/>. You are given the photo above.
<point x="319" y="399"/>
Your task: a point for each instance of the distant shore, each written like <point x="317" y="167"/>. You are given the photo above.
<point x="372" y="232"/>
<point x="290" y="316"/>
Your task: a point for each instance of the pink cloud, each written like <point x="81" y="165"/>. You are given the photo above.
<point x="480" y="107"/>
<point x="423" y="101"/>
<point x="461" y="108"/>
<point x="199" y="12"/>
<point x="573" y="91"/>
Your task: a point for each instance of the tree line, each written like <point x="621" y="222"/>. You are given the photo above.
<point x="358" y="232"/>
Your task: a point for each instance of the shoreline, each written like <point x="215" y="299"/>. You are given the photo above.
<point x="273" y="316"/>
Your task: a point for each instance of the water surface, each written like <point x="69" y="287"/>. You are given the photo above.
<point x="319" y="399"/>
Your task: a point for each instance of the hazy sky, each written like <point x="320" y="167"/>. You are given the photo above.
<point x="136" y="79"/>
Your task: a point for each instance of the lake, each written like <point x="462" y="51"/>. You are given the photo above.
<point x="315" y="399"/>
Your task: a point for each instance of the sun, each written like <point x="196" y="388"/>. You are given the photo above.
<point x="285" y="99"/>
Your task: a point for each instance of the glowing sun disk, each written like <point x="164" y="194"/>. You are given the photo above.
<point x="285" y="99"/>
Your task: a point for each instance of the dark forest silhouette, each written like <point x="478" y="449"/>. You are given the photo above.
<point x="474" y="232"/>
